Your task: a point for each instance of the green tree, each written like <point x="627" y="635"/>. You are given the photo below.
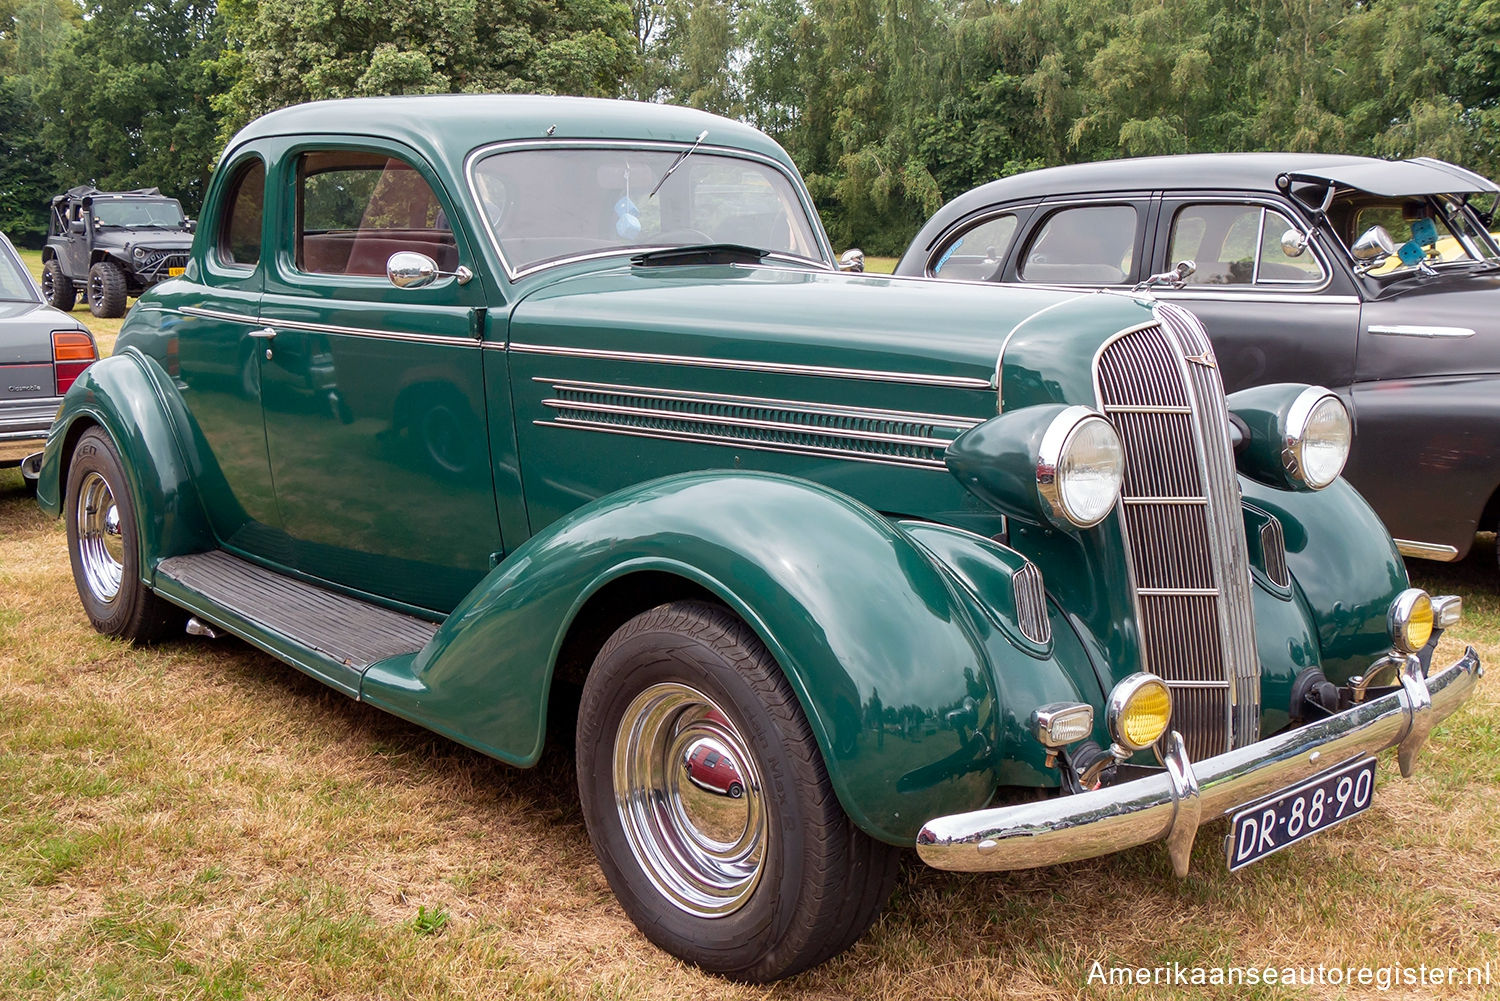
<point x="27" y="178"/>
<point x="287" y="51"/>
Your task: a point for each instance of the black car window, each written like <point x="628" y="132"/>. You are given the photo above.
<point x="1237" y="245"/>
<point x="15" y="286"/>
<point x="239" y="233"/>
<point x="356" y="209"/>
<point x="1087" y="245"/>
<point x="978" y="252"/>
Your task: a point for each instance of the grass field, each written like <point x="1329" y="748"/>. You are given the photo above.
<point x="198" y="820"/>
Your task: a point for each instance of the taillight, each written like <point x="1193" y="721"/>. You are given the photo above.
<point x="72" y="352"/>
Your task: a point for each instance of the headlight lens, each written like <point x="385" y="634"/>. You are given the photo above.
<point x="1140" y="707"/>
<point x="1080" y="467"/>
<point x="1318" y="435"/>
<point x="1059" y="724"/>
<point x="140" y="253"/>
<point x="1410" y="620"/>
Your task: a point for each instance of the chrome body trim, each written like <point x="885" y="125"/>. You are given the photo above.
<point x="809" y="210"/>
<point x="1426" y="550"/>
<point x="1031" y="606"/>
<point x="1418" y="330"/>
<point x="322" y="328"/>
<point x="1273" y="552"/>
<point x="1303" y="298"/>
<point x="1170" y="804"/>
<point x="740" y="365"/>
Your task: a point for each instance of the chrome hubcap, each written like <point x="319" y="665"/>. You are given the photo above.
<point x="689" y="798"/>
<point x="101" y="547"/>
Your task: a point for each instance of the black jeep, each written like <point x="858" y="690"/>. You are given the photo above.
<point x="120" y="242"/>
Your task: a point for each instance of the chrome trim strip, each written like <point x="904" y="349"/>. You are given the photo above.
<point x="751" y="422"/>
<point x="1164" y="500"/>
<point x="808" y="450"/>
<point x="830" y="410"/>
<point x="329" y="328"/>
<point x="1195" y="592"/>
<point x="1418" y="330"/>
<point x="1090" y="824"/>
<point x="1133" y="408"/>
<point x="739" y="365"/>
<point x="1426" y="550"/>
<point x="1288" y="297"/>
<point x="810" y="212"/>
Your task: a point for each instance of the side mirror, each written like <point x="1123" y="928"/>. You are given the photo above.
<point x="78" y="226"/>
<point x="190" y="224"/>
<point x="1374" y="245"/>
<point x="1293" y="242"/>
<point x="408" y="269"/>
<point x="852" y="260"/>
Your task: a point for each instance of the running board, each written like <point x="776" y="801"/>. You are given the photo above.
<point x="329" y="635"/>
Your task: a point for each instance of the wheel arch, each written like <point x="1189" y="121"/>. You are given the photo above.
<point x="781" y="554"/>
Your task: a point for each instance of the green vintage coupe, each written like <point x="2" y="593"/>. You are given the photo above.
<point x="479" y="407"/>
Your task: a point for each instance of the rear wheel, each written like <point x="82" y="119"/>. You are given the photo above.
<point x="757" y="886"/>
<point x="107" y="290"/>
<point x="104" y="548"/>
<point x="57" y="288"/>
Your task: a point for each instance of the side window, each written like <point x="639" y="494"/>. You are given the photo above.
<point x="240" y="229"/>
<point x="356" y="209"/>
<point x="1088" y="245"/>
<point x="1237" y="245"/>
<point x="978" y="252"/>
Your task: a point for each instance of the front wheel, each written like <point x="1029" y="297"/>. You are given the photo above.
<point x="57" y="288"/>
<point x="107" y="290"/>
<point x="104" y="549"/>
<point x="757" y="886"/>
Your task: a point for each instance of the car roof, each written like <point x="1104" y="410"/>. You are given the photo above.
<point x="448" y="126"/>
<point x="1235" y="171"/>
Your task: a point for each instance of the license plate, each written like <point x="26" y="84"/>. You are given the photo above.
<point x="1293" y="814"/>
<point x="174" y="272"/>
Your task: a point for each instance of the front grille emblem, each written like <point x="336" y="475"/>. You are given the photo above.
<point x="1206" y="359"/>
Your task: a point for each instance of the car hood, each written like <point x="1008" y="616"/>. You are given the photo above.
<point x="875" y="323"/>
<point x="1442" y="326"/>
<point x="156" y="239"/>
<point x="26" y="331"/>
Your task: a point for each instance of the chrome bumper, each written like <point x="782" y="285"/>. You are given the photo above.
<point x="1169" y="806"/>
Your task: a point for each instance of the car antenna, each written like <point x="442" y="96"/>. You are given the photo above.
<point x="678" y="162"/>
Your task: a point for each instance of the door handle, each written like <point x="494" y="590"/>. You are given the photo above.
<point x="263" y="334"/>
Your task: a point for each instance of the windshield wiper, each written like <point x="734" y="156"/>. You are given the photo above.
<point x="678" y="162"/>
<point x="701" y="253"/>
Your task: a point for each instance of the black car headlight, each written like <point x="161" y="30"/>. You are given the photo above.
<point x="1299" y="436"/>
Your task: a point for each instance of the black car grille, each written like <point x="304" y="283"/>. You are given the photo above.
<point x="157" y="265"/>
<point x="1184" y="529"/>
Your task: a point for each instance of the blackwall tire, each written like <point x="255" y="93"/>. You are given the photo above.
<point x="754" y="888"/>
<point x="107" y="290"/>
<point x="57" y="288"/>
<point x="104" y="548"/>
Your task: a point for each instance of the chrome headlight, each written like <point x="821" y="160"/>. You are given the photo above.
<point x="1317" y="437"/>
<point x="1410" y="620"/>
<point x="1080" y="466"/>
<point x="1138" y="711"/>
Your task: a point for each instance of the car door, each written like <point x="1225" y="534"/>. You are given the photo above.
<point x="213" y="340"/>
<point x="1272" y="316"/>
<point x="374" y="395"/>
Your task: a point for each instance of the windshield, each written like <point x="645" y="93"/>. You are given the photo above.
<point x="1431" y="230"/>
<point x="15" y="284"/>
<point x="135" y="213"/>
<point x="546" y="205"/>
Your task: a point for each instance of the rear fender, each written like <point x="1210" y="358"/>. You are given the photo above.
<point x="125" y="395"/>
<point x="874" y="636"/>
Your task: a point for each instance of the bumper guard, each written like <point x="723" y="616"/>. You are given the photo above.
<point x="1169" y="806"/>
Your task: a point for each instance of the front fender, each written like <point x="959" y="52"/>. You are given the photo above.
<point x="1345" y="570"/>
<point x="123" y="394"/>
<point x="888" y="664"/>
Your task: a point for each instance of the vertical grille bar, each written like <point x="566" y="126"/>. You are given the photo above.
<point x="1183" y="527"/>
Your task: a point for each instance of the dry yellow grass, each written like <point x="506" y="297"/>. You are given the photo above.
<point x="198" y="820"/>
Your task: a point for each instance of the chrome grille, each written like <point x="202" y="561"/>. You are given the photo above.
<point x="1273" y="552"/>
<point x="1183" y="528"/>
<point x="1031" y="604"/>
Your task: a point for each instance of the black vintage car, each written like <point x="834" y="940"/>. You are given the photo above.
<point x="112" y="244"/>
<point x="1379" y="279"/>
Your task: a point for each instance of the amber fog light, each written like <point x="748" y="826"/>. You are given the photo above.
<point x="1410" y="620"/>
<point x="1140" y="707"/>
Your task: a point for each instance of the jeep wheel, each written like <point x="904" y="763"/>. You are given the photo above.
<point x="106" y="290"/>
<point x="756" y="887"/>
<point x="57" y="288"/>
<point x="104" y="549"/>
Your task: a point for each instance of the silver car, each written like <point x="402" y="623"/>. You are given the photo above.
<point x="42" y="350"/>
